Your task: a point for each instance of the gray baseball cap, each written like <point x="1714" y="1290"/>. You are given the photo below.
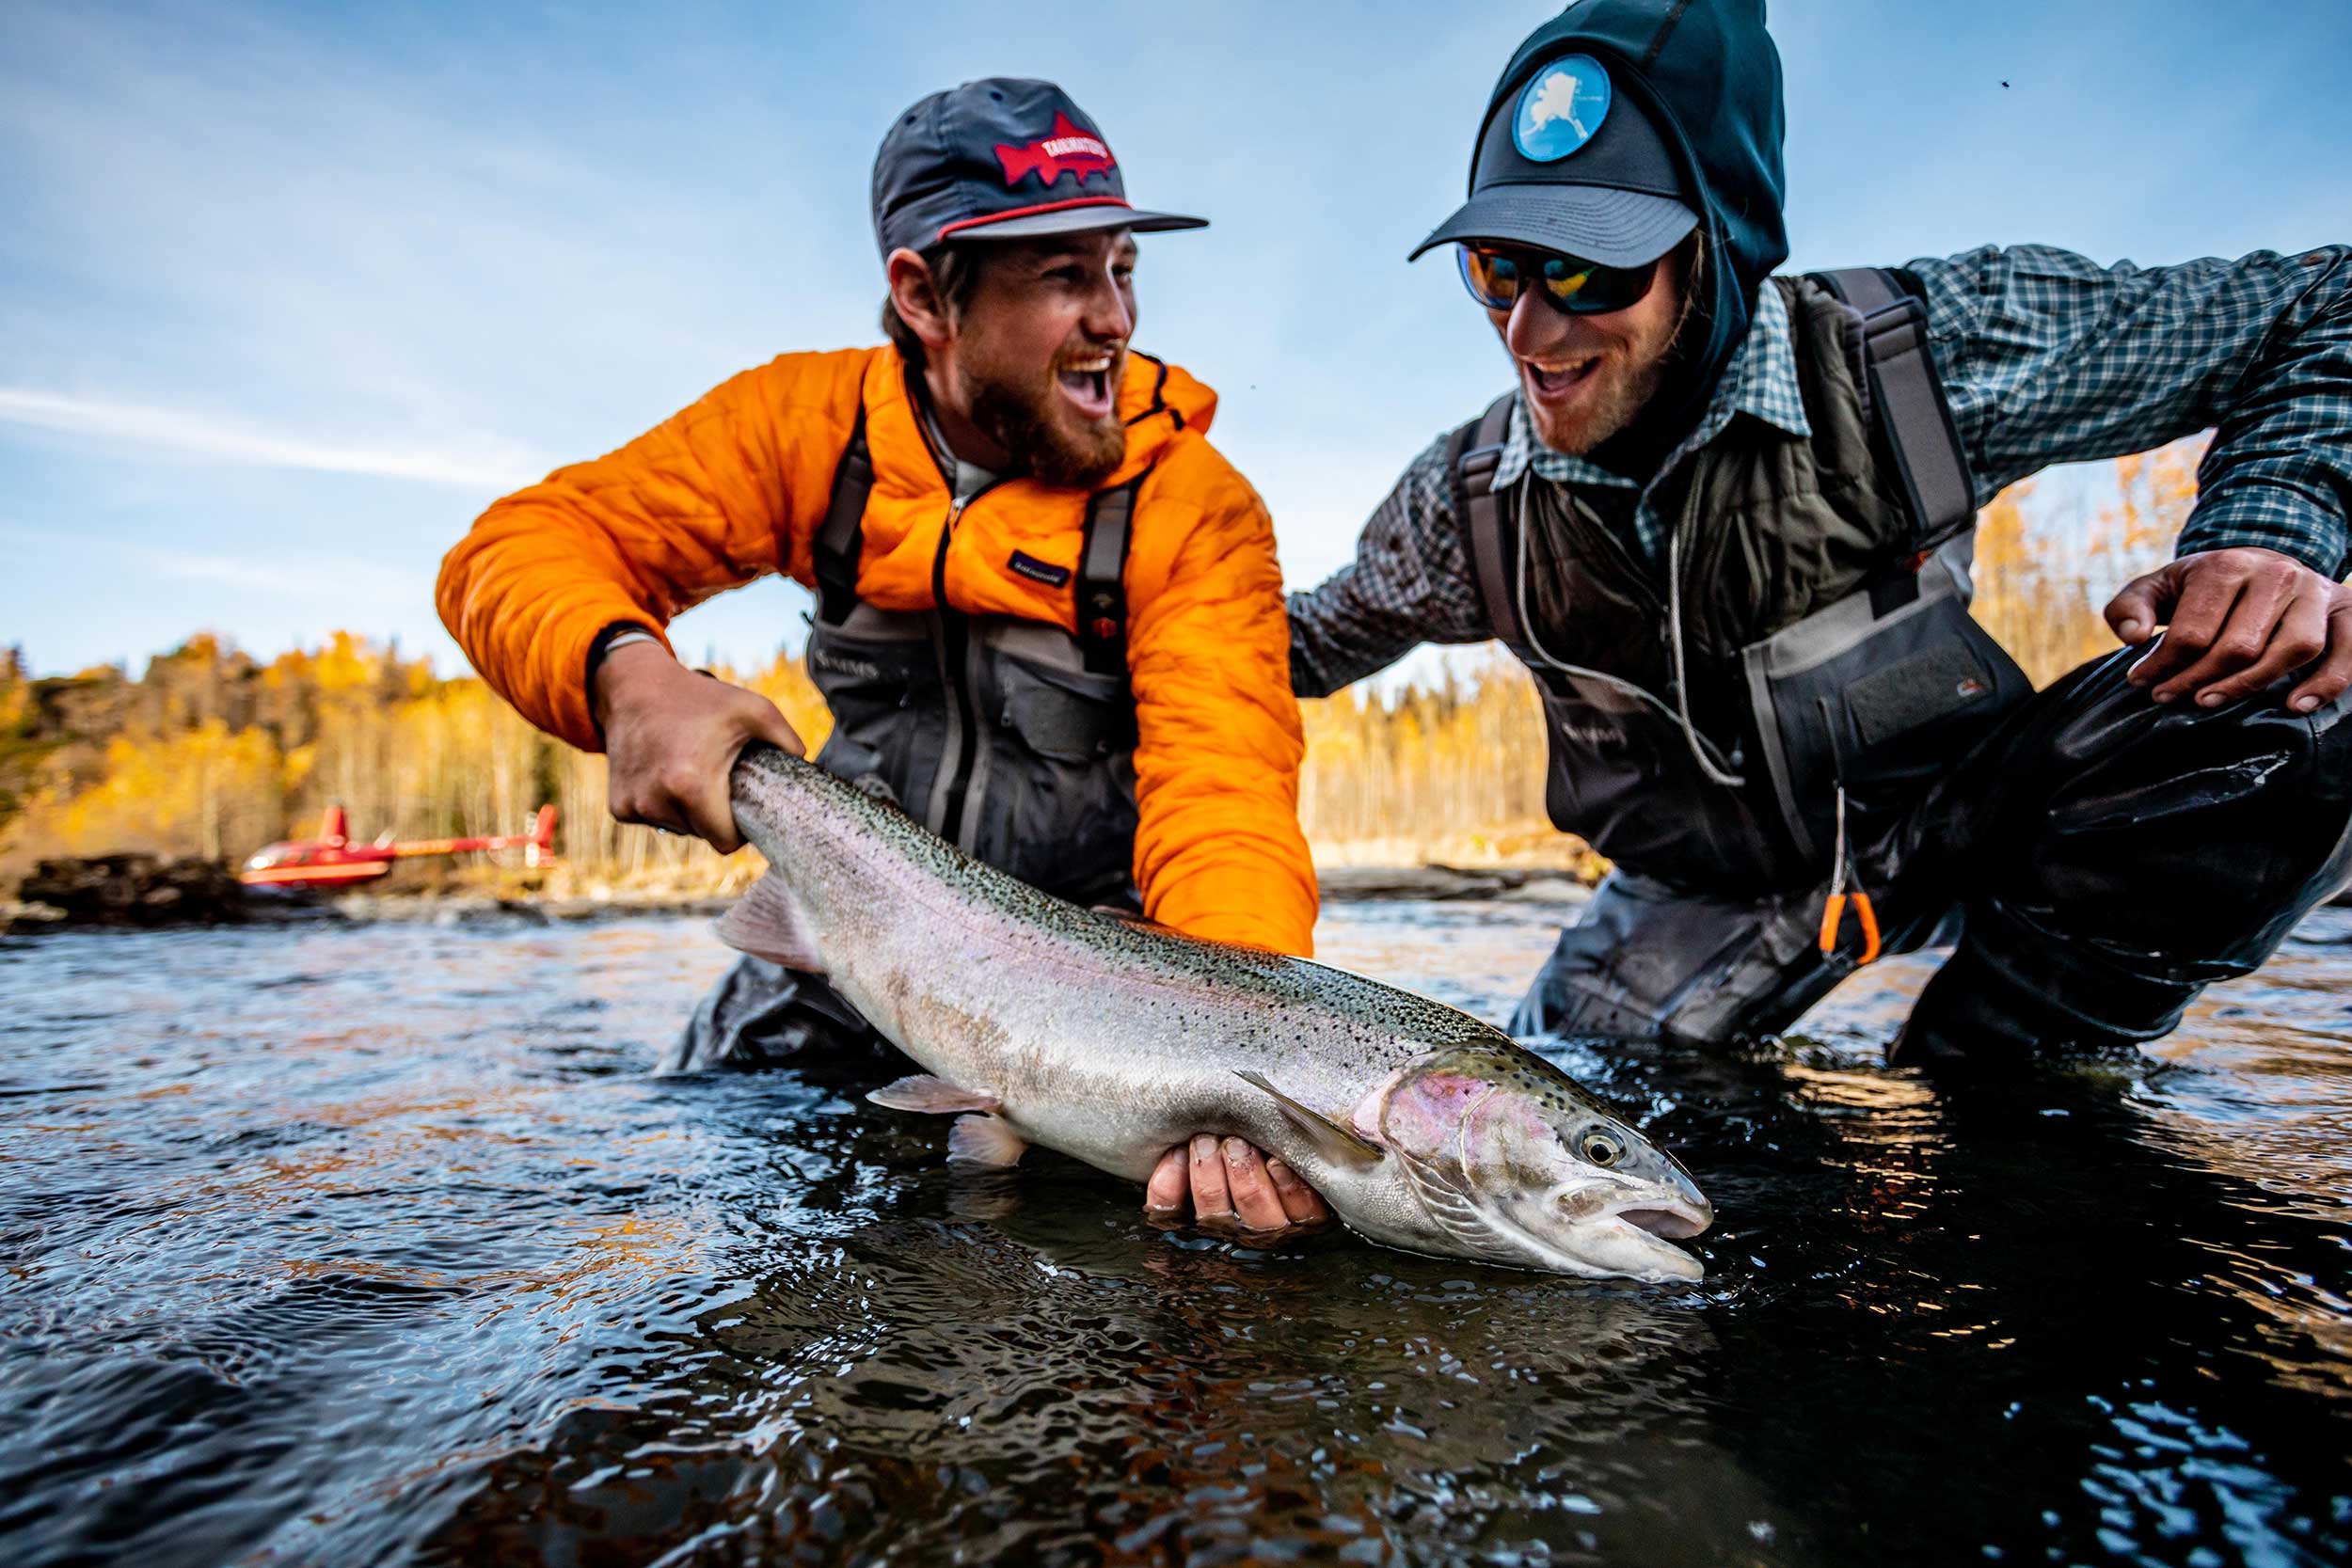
<point x="1000" y="159"/>
<point x="1567" y="162"/>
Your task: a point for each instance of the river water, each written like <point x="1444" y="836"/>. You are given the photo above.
<point x="381" y="1244"/>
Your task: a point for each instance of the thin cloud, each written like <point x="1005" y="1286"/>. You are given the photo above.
<point x="341" y="579"/>
<point x="326" y="578"/>
<point x="472" y="466"/>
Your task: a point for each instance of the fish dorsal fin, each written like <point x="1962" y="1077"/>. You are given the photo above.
<point x="1332" y="1141"/>
<point x="768" y="923"/>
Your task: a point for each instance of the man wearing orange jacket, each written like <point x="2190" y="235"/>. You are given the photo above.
<point x="1049" y="620"/>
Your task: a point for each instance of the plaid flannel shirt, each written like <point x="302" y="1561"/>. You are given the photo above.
<point x="2045" y="358"/>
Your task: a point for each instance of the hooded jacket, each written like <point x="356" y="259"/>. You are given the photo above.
<point x="737" y="486"/>
<point x="1710" y="74"/>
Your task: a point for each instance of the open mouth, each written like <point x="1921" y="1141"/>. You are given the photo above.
<point x="1654" y="1231"/>
<point x="1556" y="383"/>
<point x="1087" y="385"/>
<point x="1667" y="1224"/>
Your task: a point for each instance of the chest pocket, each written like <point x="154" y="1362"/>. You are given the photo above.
<point x="1056" y="785"/>
<point x="1876" y="695"/>
<point x="1066" y="715"/>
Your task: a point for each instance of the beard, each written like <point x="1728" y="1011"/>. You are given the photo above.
<point x="1650" y="369"/>
<point x="1020" y="417"/>
<point x="1620" y="402"/>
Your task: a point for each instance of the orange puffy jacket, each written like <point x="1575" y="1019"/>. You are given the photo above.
<point x="737" y="486"/>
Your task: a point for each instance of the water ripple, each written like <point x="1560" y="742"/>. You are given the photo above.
<point x="383" y="1245"/>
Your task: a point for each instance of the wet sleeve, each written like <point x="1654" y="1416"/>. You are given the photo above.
<point x="1410" y="583"/>
<point x="721" y="493"/>
<point x="1218" y="849"/>
<point x="2049" y="357"/>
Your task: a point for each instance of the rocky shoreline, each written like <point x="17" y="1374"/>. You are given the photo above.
<point x="1354" y="884"/>
<point x="121" y="893"/>
<point x="146" y="892"/>
<point x="127" y="893"/>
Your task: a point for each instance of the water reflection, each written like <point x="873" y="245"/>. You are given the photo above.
<point x="382" y="1245"/>
<point x="929" y="1378"/>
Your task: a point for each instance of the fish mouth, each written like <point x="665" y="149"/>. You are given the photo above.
<point x="1676" y="1223"/>
<point x="1655" y="1227"/>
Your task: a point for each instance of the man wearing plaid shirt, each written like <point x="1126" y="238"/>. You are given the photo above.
<point x="1765" y="701"/>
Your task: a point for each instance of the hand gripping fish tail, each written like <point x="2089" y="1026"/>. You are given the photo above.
<point x="1041" y="1023"/>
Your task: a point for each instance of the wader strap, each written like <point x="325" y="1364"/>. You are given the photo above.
<point x="1102" y="587"/>
<point x="1471" y="458"/>
<point x="1910" y="418"/>
<point x="842" y="539"/>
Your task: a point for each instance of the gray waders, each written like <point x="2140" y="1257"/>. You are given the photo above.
<point x="1010" y="738"/>
<point x="1804" y="717"/>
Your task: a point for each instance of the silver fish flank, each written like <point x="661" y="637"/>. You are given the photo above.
<point x="1040" y="1023"/>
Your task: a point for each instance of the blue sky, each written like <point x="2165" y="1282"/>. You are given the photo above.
<point x="289" y="294"/>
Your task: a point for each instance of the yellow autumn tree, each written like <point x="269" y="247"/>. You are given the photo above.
<point x="2044" y="576"/>
<point x="1451" y="770"/>
<point x="205" y="791"/>
<point x="212" y="752"/>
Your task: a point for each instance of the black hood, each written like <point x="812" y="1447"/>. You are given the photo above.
<point x="1708" y="74"/>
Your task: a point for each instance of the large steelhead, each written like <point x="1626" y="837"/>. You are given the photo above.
<point x="1043" y="1023"/>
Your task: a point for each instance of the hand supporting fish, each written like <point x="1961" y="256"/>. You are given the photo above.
<point x="1227" y="1188"/>
<point x="669" y="734"/>
<point x="1041" y="1023"/>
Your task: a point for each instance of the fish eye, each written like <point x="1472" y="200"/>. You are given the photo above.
<point x="1602" y="1147"/>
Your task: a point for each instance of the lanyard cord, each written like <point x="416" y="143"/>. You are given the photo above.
<point x="1700" y="747"/>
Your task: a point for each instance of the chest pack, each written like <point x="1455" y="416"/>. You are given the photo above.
<point x="1010" y="737"/>
<point x="1811" y="639"/>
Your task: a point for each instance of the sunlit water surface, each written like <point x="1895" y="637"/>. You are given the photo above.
<point x="382" y="1245"/>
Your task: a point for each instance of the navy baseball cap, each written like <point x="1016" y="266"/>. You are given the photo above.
<point x="1000" y="159"/>
<point x="1567" y="162"/>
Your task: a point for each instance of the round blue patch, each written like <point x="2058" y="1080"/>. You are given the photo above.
<point x="1561" y="108"/>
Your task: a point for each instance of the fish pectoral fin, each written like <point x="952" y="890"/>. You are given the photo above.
<point x="920" y="1091"/>
<point x="1334" y="1141"/>
<point x="768" y="923"/>
<point x="1450" y="1207"/>
<point x="985" y="1141"/>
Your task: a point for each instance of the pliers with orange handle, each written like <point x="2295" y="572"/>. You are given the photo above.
<point x="1833" y="907"/>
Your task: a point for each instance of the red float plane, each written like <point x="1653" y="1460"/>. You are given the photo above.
<point x="332" y="861"/>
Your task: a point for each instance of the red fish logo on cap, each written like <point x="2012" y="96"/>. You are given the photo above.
<point x="1065" y="150"/>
